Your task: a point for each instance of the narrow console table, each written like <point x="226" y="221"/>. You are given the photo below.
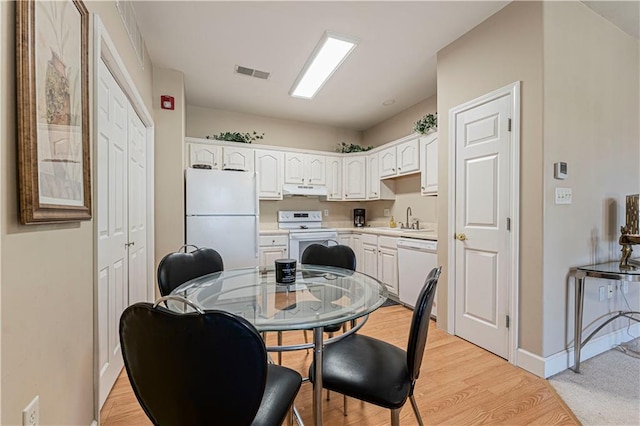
<point x="608" y="271"/>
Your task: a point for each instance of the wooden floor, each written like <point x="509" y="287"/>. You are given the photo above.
<point x="459" y="384"/>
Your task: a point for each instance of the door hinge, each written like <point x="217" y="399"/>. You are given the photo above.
<point x="508" y="321"/>
<point x="508" y="224"/>
<point x="509" y="125"/>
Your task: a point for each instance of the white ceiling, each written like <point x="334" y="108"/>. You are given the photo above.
<point x="395" y="58"/>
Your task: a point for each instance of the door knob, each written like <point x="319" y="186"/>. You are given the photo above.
<point x="460" y="237"/>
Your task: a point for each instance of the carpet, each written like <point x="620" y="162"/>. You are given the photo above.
<point x="606" y="392"/>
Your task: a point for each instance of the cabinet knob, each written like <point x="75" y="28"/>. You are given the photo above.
<point x="215" y="164"/>
<point x="345" y="195"/>
<point x="423" y="188"/>
<point x="393" y="170"/>
<point x="399" y="168"/>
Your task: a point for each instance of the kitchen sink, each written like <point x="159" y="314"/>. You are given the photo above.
<point x="401" y="230"/>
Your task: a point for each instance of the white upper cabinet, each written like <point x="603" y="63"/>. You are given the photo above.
<point x="200" y="154"/>
<point x="354" y="178"/>
<point x="237" y="159"/>
<point x="429" y="164"/>
<point x="334" y="178"/>
<point x="400" y="159"/>
<point x="304" y="169"/>
<point x="373" y="177"/>
<point x="387" y="162"/>
<point x="269" y="165"/>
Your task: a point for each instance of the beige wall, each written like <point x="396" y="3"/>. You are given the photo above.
<point x="400" y="125"/>
<point x="505" y="48"/>
<point x="202" y="122"/>
<point x="169" y="160"/>
<point x="47" y="272"/>
<point x="591" y="121"/>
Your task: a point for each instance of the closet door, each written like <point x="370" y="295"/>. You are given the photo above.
<point x="137" y="186"/>
<point x="112" y="218"/>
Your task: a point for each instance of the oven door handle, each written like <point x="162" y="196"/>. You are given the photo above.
<point x="313" y="236"/>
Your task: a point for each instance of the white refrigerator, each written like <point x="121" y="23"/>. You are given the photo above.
<point x="222" y="213"/>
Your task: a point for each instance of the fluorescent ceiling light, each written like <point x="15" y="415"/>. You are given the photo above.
<point x="332" y="50"/>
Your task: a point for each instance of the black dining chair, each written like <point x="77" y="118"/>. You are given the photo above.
<point x="377" y="372"/>
<point x="205" y="367"/>
<point x="177" y="268"/>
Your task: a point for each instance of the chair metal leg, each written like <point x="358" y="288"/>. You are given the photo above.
<point x="306" y="338"/>
<point x="415" y="410"/>
<point x="279" y="344"/>
<point x="395" y="417"/>
<point x="295" y="413"/>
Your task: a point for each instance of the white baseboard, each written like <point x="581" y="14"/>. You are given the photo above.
<point x="553" y="364"/>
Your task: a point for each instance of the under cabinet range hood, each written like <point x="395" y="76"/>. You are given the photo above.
<point x="304" y="190"/>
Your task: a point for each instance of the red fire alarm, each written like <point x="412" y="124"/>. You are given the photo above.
<point x="167" y="102"/>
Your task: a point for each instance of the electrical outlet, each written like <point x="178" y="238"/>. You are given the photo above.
<point x="625" y="287"/>
<point x="609" y="291"/>
<point x="386" y="213"/>
<point x="601" y="293"/>
<point x="326" y="212"/>
<point x="31" y="413"/>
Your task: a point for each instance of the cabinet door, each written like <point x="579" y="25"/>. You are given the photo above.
<point x="293" y="167"/>
<point x="429" y="164"/>
<point x="356" y="245"/>
<point x="316" y="170"/>
<point x="334" y="178"/>
<point x="268" y="255"/>
<point x="387" y="162"/>
<point x="388" y="268"/>
<point x="373" y="177"/>
<point x="203" y="154"/>
<point x="237" y="159"/>
<point x="345" y="240"/>
<point x="370" y="259"/>
<point x="354" y="178"/>
<point x="407" y="158"/>
<point x="270" y="174"/>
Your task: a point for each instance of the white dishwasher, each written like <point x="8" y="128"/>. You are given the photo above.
<point x="415" y="259"/>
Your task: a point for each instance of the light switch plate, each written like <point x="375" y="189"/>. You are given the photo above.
<point x="564" y="196"/>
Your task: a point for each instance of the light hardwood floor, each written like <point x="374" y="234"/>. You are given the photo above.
<point x="459" y="384"/>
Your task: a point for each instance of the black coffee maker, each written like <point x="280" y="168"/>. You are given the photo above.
<point x="358" y="218"/>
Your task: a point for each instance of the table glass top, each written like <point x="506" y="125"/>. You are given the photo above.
<point x="609" y="268"/>
<point x="321" y="296"/>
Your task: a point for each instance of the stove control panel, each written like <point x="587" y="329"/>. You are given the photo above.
<point x="300" y="216"/>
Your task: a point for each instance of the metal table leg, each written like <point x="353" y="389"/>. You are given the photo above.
<point x="579" y="306"/>
<point x="317" y="383"/>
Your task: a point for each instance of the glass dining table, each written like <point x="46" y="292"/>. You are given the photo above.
<point x="321" y="296"/>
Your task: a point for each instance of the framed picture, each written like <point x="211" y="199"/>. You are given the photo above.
<point x="53" y="111"/>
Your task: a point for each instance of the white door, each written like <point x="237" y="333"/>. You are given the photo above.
<point x="111" y="225"/>
<point x="334" y="178"/>
<point x="354" y="178"/>
<point x="483" y="259"/>
<point x="270" y="174"/>
<point x="137" y="185"/>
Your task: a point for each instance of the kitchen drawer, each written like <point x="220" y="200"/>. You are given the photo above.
<point x="390" y="242"/>
<point x="370" y="239"/>
<point x="273" y="240"/>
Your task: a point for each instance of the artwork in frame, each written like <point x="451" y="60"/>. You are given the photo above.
<point x="53" y="111"/>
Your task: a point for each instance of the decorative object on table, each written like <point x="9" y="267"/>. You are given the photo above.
<point x="427" y="124"/>
<point x="237" y="136"/>
<point x="629" y="233"/>
<point x="52" y="78"/>
<point x="345" y="148"/>
<point x="285" y="271"/>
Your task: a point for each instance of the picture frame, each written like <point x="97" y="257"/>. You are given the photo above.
<point x="52" y="77"/>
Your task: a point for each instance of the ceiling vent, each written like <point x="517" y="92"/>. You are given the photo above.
<point x="251" y="72"/>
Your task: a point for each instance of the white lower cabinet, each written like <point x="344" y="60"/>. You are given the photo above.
<point x="388" y="263"/>
<point x="380" y="260"/>
<point x="273" y="247"/>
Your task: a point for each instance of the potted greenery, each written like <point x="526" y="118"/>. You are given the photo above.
<point x="427" y="124"/>
<point x="344" y="147"/>
<point x="237" y="137"/>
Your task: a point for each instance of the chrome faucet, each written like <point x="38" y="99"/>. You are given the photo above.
<point x="408" y="224"/>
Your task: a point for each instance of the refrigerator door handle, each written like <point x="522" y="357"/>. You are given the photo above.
<point x="257" y="243"/>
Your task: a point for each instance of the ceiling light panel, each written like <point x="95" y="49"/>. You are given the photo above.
<point x="328" y="55"/>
